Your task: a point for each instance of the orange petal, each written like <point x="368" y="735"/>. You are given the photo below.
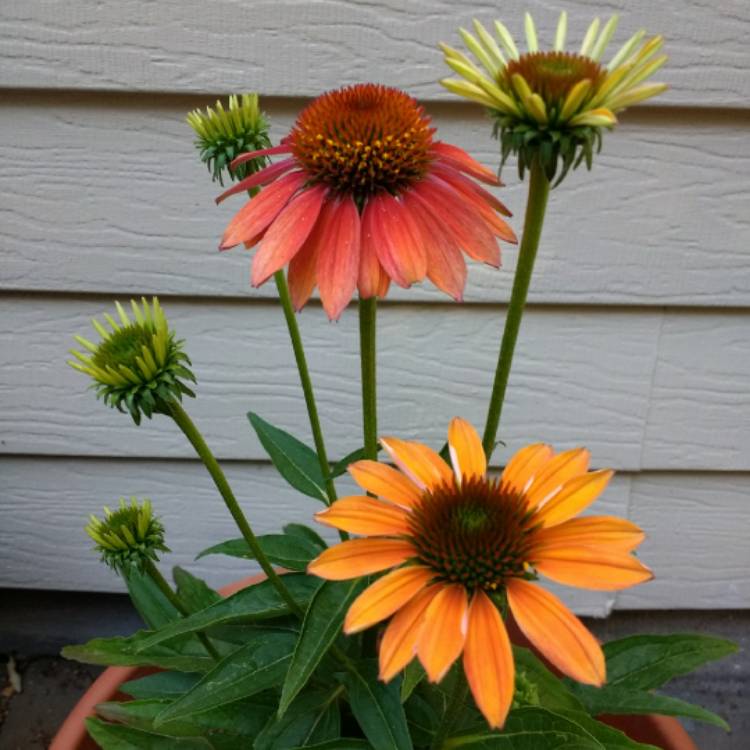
<point x="384" y="481"/>
<point x="592" y="568"/>
<point x="421" y="464"/>
<point x="488" y="660"/>
<point x="365" y="515"/>
<point x="556" y="472"/>
<point x="466" y="450"/>
<point x="444" y="632"/>
<point x="360" y="557"/>
<point x="525" y="464"/>
<point x="385" y="596"/>
<point x="459" y="159"/>
<point x="301" y="275"/>
<point x="607" y="532"/>
<point x="573" y="497"/>
<point x="556" y="632"/>
<point x="399" y="642"/>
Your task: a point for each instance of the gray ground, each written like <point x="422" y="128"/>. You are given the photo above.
<point x="35" y="625"/>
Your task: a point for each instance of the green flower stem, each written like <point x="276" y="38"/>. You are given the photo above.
<point x="192" y="433"/>
<point x="536" y="206"/>
<point x="304" y="376"/>
<point x="367" y="352"/>
<point x="456" y="704"/>
<point x="174" y="600"/>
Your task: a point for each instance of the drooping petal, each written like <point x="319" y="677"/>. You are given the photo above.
<point x="525" y="465"/>
<point x="591" y="568"/>
<point x="360" y="557"/>
<point x="455" y="178"/>
<point x="338" y="257"/>
<point x="421" y="464"/>
<point x="282" y="148"/>
<point x="556" y="632"/>
<point x="444" y="632"/>
<point x="605" y="532"/>
<point x="384" y="481"/>
<point x="399" y="644"/>
<point x="365" y="515"/>
<point x="371" y="249"/>
<point x="384" y="597"/>
<point x="573" y="497"/>
<point x="262" y="177"/>
<point x="253" y="218"/>
<point x="301" y="275"/>
<point x="488" y="660"/>
<point x="288" y="233"/>
<point x="467" y="454"/>
<point x="560" y="469"/>
<point x="459" y="159"/>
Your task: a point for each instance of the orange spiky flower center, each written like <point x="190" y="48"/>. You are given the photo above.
<point x="478" y="534"/>
<point x="553" y="74"/>
<point x="363" y="139"/>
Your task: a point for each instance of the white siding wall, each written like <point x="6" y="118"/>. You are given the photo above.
<point x="637" y="341"/>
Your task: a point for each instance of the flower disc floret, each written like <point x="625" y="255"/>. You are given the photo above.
<point x="129" y="536"/>
<point x="138" y="365"/>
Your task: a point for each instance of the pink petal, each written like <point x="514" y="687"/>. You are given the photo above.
<point x="283" y="148"/>
<point x="370" y="270"/>
<point x="442" y="169"/>
<point x="253" y="218"/>
<point x="459" y="159"/>
<point x="289" y="230"/>
<point x="338" y="258"/>
<point x="301" y="276"/>
<point x="262" y="177"/>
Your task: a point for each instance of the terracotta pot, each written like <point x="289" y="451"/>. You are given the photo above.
<point x="662" y="731"/>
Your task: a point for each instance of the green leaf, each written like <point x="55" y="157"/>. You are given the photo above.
<point x="252" y="604"/>
<point x="377" y="707"/>
<point x="553" y="694"/>
<point x="193" y="592"/>
<point x="295" y="461"/>
<point x="648" y="661"/>
<point x="160" y="685"/>
<point x="341" y="466"/>
<point x="312" y="718"/>
<point x="118" y="737"/>
<point x="413" y="674"/>
<point x="321" y="627"/>
<point x="253" y="668"/>
<point x="289" y="551"/>
<point x="152" y="605"/>
<point x="343" y="743"/>
<point x="300" y="530"/>
<point x="622" y="700"/>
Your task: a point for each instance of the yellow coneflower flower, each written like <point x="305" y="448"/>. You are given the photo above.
<point x="138" y="365"/>
<point x="461" y="543"/>
<point x="552" y="104"/>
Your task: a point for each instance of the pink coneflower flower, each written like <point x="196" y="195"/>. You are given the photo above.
<point x="364" y="197"/>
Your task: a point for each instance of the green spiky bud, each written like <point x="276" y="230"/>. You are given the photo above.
<point x="223" y="134"/>
<point x="138" y="365"/>
<point x="128" y="537"/>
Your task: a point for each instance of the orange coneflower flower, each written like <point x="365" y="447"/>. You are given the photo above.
<point x="366" y="196"/>
<point x="461" y="542"/>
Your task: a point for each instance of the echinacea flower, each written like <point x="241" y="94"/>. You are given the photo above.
<point x="128" y="537"/>
<point x="366" y="196"/>
<point x="553" y="104"/>
<point x="138" y="365"/>
<point x="461" y="542"/>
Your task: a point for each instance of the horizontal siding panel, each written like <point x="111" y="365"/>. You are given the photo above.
<point x="295" y="47"/>
<point x="106" y="195"/>
<point x="580" y="376"/>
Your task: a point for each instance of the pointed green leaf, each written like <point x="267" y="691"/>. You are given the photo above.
<point x="344" y="743"/>
<point x="413" y="675"/>
<point x="552" y="693"/>
<point x="341" y="466"/>
<point x="193" y="592"/>
<point x="152" y="605"/>
<point x="321" y="627"/>
<point x="290" y="551"/>
<point x="299" y="529"/>
<point x="168" y="685"/>
<point x="118" y="737"/>
<point x="295" y="461"/>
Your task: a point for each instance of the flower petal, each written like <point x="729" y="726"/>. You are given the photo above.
<point x="360" y="557"/>
<point x="301" y="275"/>
<point x="488" y="660"/>
<point x="605" y="532"/>
<point x="255" y="216"/>
<point x="385" y="482"/>
<point x="399" y="643"/>
<point x="421" y="464"/>
<point x="365" y="515"/>
<point x="288" y="232"/>
<point x="467" y="454"/>
<point x="282" y="148"/>
<point x="374" y="247"/>
<point x="526" y="464"/>
<point x="591" y="568"/>
<point x="444" y="631"/>
<point x="370" y="271"/>
<point x="556" y="632"/>
<point x="459" y="159"/>
<point x="261" y="177"/>
<point x="573" y="497"/>
<point x="560" y="469"/>
<point x="385" y="596"/>
<point x="338" y="257"/>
